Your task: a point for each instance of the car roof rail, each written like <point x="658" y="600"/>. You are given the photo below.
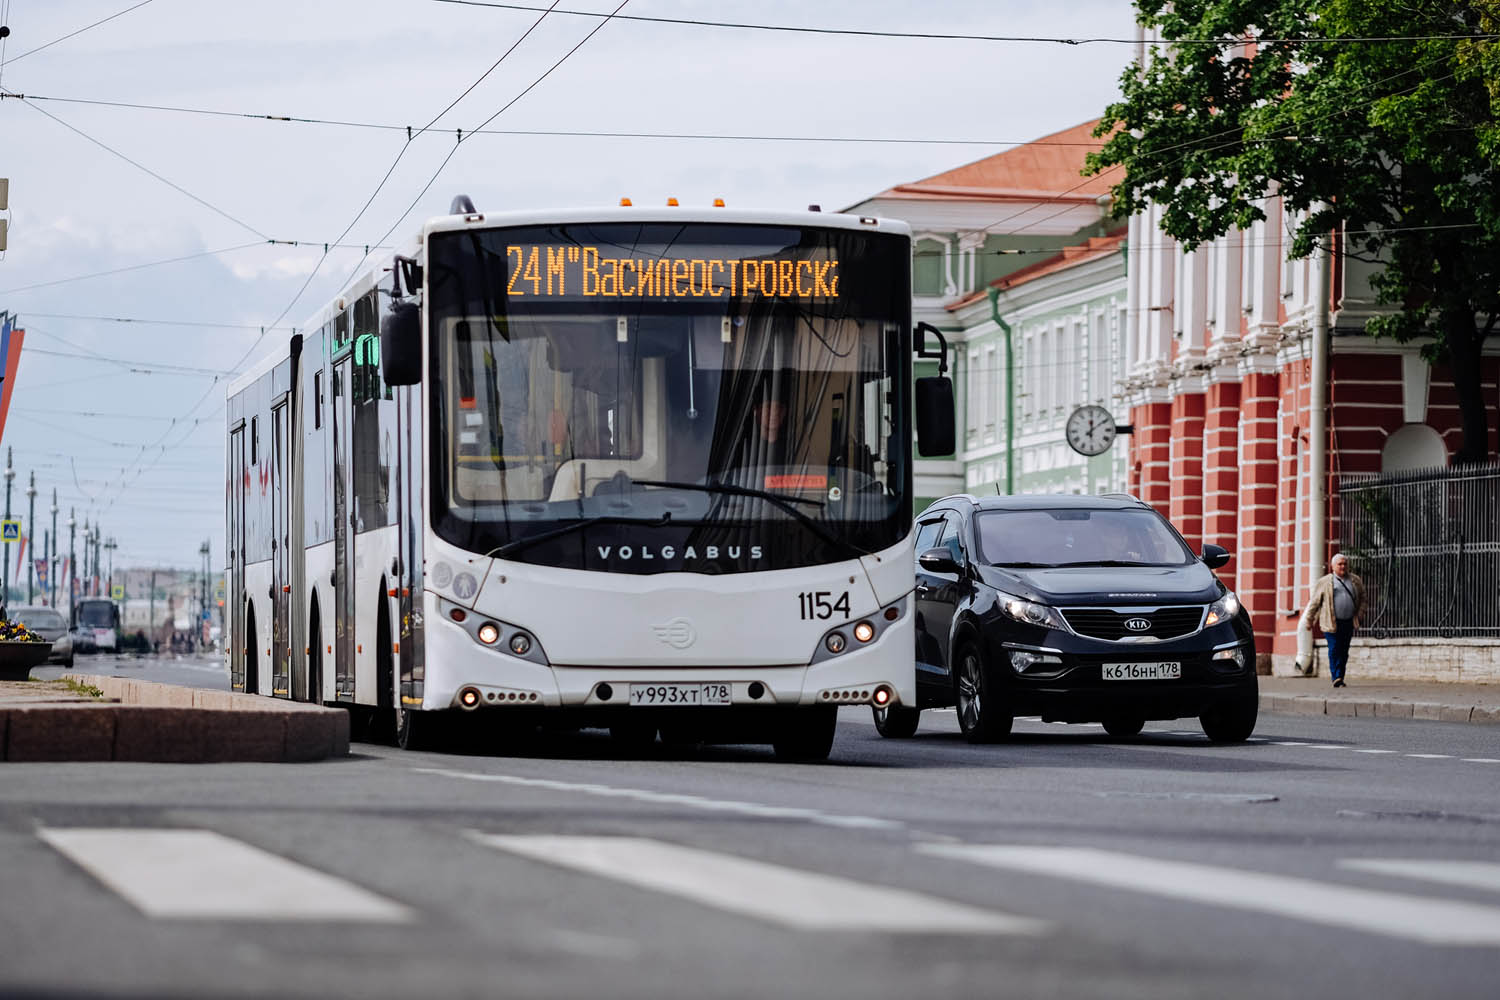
<point x="1122" y="496"/>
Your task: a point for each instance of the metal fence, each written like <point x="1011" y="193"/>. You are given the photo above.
<point x="1427" y="545"/>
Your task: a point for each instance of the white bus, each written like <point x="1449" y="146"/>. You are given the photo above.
<point x="649" y="470"/>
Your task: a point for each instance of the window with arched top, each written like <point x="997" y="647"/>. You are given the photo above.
<point x="1413" y="446"/>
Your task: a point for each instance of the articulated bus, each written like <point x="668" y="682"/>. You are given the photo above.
<point x="644" y="470"/>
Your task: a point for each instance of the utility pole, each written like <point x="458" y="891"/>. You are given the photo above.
<point x="31" y="538"/>
<point x="72" y="564"/>
<point x="110" y="580"/>
<point x="10" y="473"/>
<point x="203" y="551"/>
<point x="46" y="566"/>
<point x="52" y="554"/>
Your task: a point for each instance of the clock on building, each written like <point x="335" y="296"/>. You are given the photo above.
<point x="1090" y="430"/>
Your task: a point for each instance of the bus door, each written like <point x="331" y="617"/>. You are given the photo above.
<point x="239" y="482"/>
<point x="281" y="645"/>
<point x="343" y="532"/>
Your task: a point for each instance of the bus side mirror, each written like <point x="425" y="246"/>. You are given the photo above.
<point x="935" y="416"/>
<point x="401" y="343"/>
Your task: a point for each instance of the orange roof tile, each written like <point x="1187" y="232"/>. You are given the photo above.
<point x="1047" y="166"/>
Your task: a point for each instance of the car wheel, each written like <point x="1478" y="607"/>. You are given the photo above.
<point x="1232" y="721"/>
<point x="807" y="735"/>
<point x="981" y="711"/>
<point x="896" y="722"/>
<point x="1124" y="726"/>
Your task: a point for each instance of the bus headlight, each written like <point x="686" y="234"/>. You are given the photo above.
<point x="489" y="633"/>
<point x="520" y="644"/>
<point x="835" y="642"/>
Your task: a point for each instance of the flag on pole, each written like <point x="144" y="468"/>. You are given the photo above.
<point x="20" y="555"/>
<point x="41" y="573"/>
<point x="10" y="356"/>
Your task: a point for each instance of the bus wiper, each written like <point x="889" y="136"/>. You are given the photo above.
<point x="785" y="503"/>
<point x="512" y="547"/>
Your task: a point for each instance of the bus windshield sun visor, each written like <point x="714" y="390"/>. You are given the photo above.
<point x="784" y="503"/>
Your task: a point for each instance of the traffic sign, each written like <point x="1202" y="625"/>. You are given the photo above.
<point x="117" y="592"/>
<point x="10" y="531"/>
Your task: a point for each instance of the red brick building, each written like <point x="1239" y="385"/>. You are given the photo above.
<point x="1219" y="355"/>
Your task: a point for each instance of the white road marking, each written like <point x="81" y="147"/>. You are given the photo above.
<point x="1482" y="760"/>
<point x="199" y="874"/>
<point x="1284" y="743"/>
<point x="1432" y="756"/>
<point x="786" y="896"/>
<point x="1471" y="874"/>
<point x="676" y="799"/>
<point x="1431" y="921"/>
<point x="1369" y="750"/>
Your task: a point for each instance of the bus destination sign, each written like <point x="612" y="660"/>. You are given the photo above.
<point x="574" y="272"/>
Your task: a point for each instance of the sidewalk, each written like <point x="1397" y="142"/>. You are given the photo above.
<point x="1381" y="699"/>
<point x="112" y="718"/>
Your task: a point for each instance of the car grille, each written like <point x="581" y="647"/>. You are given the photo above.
<point x="1109" y="624"/>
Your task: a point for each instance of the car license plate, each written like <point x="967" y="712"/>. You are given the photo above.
<point x="679" y="694"/>
<point x="1142" y="671"/>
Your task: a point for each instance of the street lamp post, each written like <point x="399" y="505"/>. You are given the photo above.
<point x="52" y="554"/>
<point x="31" y="538"/>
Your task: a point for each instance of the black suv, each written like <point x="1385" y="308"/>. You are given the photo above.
<point x="1077" y="609"/>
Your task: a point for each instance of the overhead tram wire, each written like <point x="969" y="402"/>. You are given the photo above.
<point x="504" y="108"/>
<point x="123" y="486"/>
<point x="955" y="36"/>
<point x="71" y="34"/>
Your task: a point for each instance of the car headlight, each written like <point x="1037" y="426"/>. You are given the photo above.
<point x="1029" y="612"/>
<point x="1223" y="609"/>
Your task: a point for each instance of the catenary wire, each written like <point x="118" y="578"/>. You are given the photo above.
<point x="63" y="38"/>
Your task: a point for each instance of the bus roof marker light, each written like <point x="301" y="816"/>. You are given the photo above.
<point x="671" y="202"/>
<point x="718" y="203"/>
<point x="625" y="203"/>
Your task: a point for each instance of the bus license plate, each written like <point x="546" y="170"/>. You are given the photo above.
<point x="679" y="694"/>
<point x="1142" y="671"/>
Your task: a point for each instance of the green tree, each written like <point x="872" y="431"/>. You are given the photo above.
<point x="1378" y="121"/>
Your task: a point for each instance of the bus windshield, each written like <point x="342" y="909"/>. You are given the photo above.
<point x="619" y="378"/>
<point x="96" y="614"/>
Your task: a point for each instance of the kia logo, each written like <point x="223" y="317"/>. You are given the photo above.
<point x="1138" y="624"/>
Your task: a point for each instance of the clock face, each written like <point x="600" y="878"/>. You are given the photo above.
<point x="1090" y="430"/>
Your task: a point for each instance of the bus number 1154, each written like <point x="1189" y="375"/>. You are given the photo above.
<point x="817" y="604"/>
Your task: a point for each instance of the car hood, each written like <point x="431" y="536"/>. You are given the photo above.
<point x="1194" y="583"/>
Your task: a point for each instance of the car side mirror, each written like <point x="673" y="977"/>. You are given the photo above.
<point x="939" y="561"/>
<point x="1215" y="556"/>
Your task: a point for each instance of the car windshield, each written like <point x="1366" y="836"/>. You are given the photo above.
<point x="39" y="618"/>
<point x="1078" y="537"/>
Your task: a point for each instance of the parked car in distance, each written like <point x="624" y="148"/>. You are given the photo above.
<point x="1076" y="609"/>
<point x="50" y="624"/>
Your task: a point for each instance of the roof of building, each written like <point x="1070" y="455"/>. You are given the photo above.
<point x="1068" y="257"/>
<point x="1049" y="167"/>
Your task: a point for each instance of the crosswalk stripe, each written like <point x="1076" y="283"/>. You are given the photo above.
<point x="201" y="874"/>
<point x="1473" y="874"/>
<point x="1396" y="915"/>
<point x="791" y="897"/>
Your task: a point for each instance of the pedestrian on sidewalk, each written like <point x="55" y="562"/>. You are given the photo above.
<point x="1337" y="601"/>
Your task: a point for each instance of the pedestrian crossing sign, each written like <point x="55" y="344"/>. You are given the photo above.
<point x="117" y="592"/>
<point x="10" y="531"/>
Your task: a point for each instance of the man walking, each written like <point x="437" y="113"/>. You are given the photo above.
<point x="1337" y="601"/>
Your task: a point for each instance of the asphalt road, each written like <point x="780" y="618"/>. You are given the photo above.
<point x="1345" y="857"/>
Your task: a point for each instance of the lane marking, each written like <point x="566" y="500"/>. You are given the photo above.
<point x="1432" y="921"/>
<point x="756" y="809"/>
<point x="182" y="874"/>
<point x="1369" y="750"/>
<point x="1482" y="760"/>
<point x="786" y="896"/>
<point x="1432" y="756"/>
<point x="1470" y="874"/>
<point x="1287" y="743"/>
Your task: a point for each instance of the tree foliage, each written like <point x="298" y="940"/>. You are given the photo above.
<point x="1380" y="121"/>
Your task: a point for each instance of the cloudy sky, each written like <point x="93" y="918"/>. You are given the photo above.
<point x="141" y="261"/>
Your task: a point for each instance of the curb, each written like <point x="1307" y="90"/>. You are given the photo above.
<point x="164" y="723"/>
<point x="1302" y="704"/>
